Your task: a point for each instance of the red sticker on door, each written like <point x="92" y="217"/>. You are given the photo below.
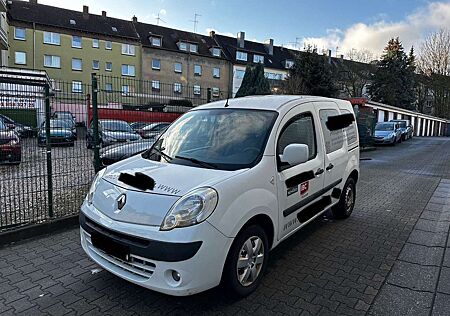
<point x="304" y="187"/>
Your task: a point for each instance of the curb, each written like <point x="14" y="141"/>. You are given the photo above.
<point x="37" y="230"/>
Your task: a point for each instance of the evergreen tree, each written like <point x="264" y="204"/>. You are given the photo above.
<point x="393" y="82"/>
<point x="254" y="82"/>
<point x="312" y="75"/>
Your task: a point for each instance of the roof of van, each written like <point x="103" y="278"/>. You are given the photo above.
<point x="268" y="102"/>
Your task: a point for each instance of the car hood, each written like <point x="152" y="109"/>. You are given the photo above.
<point x="149" y="207"/>
<point x="383" y="133"/>
<point x="121" y="135"/>
<point x="125" y="150"/>
<point x="58" y="132"/>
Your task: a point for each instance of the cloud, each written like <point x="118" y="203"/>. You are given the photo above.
<point x="162" y="12"/>
<point x="374" y="36"/>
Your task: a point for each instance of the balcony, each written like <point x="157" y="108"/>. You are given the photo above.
<point x="3" y="6"/>
<point x="3" y="39"/>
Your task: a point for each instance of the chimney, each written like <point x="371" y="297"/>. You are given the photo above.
<point x="85" y="11"/>
<point x="104" y="14"/>
<point x="241" y="39"/>
<point x="269" y="46"/>
<point x="329" y="53"/>
<point x="212" y="34"/>
<point x="342" y="57"/>
<point x="135" y="19"/>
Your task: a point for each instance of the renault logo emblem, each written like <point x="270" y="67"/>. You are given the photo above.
<point x="121" y="201"/>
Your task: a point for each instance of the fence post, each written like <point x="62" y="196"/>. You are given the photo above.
<point x="48" y="150"/>
<point x="95" y="130"/>
<point x="208" y="95"/>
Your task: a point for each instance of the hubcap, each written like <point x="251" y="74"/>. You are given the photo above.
<point x="349" y="199"/>
<point x="250" y="261"/>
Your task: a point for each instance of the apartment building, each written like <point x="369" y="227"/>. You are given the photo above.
<point x="4" y="28"/>
<point x="184" y="63"/>
<point x="70" y="45"/>
<point x="241" y="53"/>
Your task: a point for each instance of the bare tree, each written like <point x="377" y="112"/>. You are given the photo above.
<point x="434" y="55"/>
<point x="360" y="55"/>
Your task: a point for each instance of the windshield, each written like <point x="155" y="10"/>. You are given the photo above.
<point x="384" y="127"/>
<point x="116" y="126"/>
<point x="57" y="124"/>
<point x="2" y="125"/>
<point x="227" y="139"/>
<point x="401" y="124"/>
<point x="155" y="127"/>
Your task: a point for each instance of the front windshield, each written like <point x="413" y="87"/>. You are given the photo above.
<point x="57" y="124"/>
<point x="116" y="126"/>
<point x="401" y="124"/>
<point x="227" y="139"/>
<point x="384" y="127"/>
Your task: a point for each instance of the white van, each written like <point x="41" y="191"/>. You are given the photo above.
<point x="225" y="184"/>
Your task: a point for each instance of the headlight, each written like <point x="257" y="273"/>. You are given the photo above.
<point x="191" y="209"/>
<point x="90" y="195"/>
<point x="15" y="141"/>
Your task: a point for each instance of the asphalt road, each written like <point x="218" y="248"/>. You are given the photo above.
<point x="330" y="267"/>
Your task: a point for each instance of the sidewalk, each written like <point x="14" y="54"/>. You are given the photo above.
<point x="419" y="283"/>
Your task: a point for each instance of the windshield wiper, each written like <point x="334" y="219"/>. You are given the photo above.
<point x="198" y="162"/>
<point x="162" y="154"/>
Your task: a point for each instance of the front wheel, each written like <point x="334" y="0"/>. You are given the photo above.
<point x="344" y="208"/>
<point x="246" y="261"/>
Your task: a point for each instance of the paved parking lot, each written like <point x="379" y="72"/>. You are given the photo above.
<point x="357" y="266"/>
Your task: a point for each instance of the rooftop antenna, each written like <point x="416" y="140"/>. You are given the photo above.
<point x="195" y="21"/>
<point x="158" y="19"/>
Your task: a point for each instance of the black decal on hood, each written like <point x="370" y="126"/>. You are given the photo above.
<point x="337" y="122"/>
<point x="138" y="180"/>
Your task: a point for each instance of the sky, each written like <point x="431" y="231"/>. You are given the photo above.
<point x="328" y="24"/>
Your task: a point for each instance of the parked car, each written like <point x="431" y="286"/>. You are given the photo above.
<point x="60" y="133"/>
<point x="405" y="127"/>
<point x="10" y="147"/>
<point x="69" y="118"/>
<point x="138" y="125"/>
<point x="21" y="129"/>
<point x="121" y="151"/>
<point x="222" y="186"/>
<point x="387" y="133"/>
<point x="153" y="129"/>
<point x="111" y="132"/>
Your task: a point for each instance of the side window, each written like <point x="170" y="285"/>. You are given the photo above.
<point x="334" y="140"/>
<point x="350" y="131"/>
<point x="300" y="130"/>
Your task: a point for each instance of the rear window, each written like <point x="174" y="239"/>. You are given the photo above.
<point x="334" y="140"/>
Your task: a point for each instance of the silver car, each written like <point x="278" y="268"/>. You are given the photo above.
<point x="387" y="133"/>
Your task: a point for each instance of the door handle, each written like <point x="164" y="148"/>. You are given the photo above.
<point x="330" y="166"/>
<point x="319" y="172"/>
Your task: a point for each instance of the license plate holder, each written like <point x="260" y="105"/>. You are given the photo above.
<point x="110" y="247"/>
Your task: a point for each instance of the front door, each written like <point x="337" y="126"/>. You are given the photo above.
<point x="298" y="185"/>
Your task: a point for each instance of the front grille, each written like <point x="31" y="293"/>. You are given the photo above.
<point x="138" y="266"/>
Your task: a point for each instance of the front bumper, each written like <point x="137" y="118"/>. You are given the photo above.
<point x="383" y="140"/>
<point x="197" y="253"/>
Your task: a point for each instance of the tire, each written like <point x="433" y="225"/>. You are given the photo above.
<point x="344" y="208"/>
<point x="235" y="286"/>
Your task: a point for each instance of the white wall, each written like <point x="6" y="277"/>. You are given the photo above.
<point x="391" y="116"/>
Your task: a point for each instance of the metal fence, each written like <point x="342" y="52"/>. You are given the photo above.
<point x="54" y="135"/>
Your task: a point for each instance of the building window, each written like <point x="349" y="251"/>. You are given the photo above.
<point x="177" y="87"/>
<point x="77" y="64"/>
<point x="197" y="90"/>
<point x="52" y="61"/>
<point x="128" y="70"/>
<point x="216" y="72"/>
<point x="289" y="64"/>
<point x="216" y="52"/>
<point x="95" y="65"/>
<point x="193" y="48"/>
<point x="114" y="29"/>
<point x="95" y="43"/>
<point x="183" y="46"/>
<point x="156" y="41"/>
<point x="21" y="58"/>
<point x="128" y="49"/>
<point x="178" y="67"/>
<point x="258" y="59"/>
<point x="239" y="74"/>
<point x="241" y="56"/>
<point x="52" y="38"/>
<point x="125" y="89"/>
<point x="55" y="85"/>
<point x="77" y="87"/>
<point x="197" y="70"/>
<point x="156" y="64"/>
<point x="215" y="92"/>
<point x="20" y="33"/>
<point x="108" y="66"/>
<point x="72" y="22"/>
<point x="108" y="87"/>
<point x="76" y="42"/>
<point x="108" y="45"/>
<point x="156" y="85"/>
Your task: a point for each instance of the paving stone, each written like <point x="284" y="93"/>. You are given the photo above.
<point x="414" y="276"/>
<point x="444" y="281"/>
<point x="441" y="305"/>
<point x="432" y="226"/>
<point x="430" y="239"/>
<point x="57" y="309"/>
<point x="422" y="254"/>
<point x="436" y="215"/>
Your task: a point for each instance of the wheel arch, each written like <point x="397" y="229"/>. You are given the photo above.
<point x="266" y="223"/>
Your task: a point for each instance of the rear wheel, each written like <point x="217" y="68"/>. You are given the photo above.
<point x="344" y="208"/>
<point x="246" y="261"/>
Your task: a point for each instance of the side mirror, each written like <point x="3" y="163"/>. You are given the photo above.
<point x="295" y="154"/>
